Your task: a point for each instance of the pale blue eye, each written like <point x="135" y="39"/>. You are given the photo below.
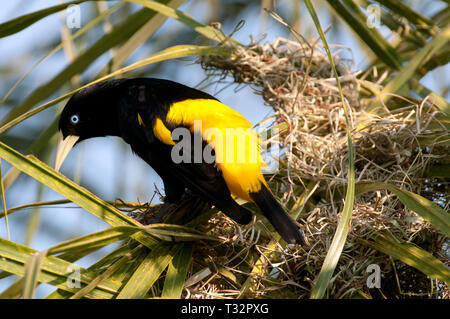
<point x="74" y="119"/>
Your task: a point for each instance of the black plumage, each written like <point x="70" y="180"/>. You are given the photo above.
<point x="131" y="108"/>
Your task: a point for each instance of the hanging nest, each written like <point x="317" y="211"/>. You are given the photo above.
<point x="297" y="81"/>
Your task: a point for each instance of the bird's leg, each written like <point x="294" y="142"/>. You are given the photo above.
<point x="180" y="211"/>
<point x="169" y="206"/>
<point x="165" y="209"/>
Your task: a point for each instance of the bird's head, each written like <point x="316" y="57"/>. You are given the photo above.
<point x="91" y="112"/>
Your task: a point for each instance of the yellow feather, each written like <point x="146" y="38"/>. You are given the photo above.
<point x="236" y="145"/>
<point x="162" y="132"/>
<point x="141" y="123"/>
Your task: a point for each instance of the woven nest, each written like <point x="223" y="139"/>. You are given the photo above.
<point x="297" y="81"/>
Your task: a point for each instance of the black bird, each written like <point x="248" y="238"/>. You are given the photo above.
<point x="187" y="136"/>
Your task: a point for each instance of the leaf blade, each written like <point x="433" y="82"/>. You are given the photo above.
<point x="176" y="273"/>
<point x="119" y="34"/>
<point x="411" y="255"/>
<point x="207" y="31"/>
<point x="53" y="270"/>
<point x="166" y="54"/>
<point x="18" y="24"/>
<point x="32" y="271"/>
<point x="148" y="271"/>
<point x="428" y="210"/>
<point x="340" y="236"/>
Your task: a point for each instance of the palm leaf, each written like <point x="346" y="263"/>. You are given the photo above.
<point x="20" y="23"/>
<point x="149" y="271"/>
<point x="339" y="239"/>
<point x="169" y="53"/>
<point x="428" y="210"/>
<point x="176" y="273"/>
<point x="119" y="34"/>
<point x="352" y="15"/>
<point x="56" y="271"/>
<point x="411" y="255"/>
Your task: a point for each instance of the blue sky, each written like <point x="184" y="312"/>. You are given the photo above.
<point x="96" y="161"/>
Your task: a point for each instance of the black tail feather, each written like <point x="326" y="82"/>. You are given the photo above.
<point x="277" y="216"/>
<point x="234" y="211"/>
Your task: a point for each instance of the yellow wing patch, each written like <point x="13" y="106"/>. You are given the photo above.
<point x="162" y="133"/>
<point x="140" y="121"/>
<point x="212" y="113"/>
<point x="236" y="145"/>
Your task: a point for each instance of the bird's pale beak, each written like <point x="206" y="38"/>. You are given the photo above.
<point x="64" y="147"/>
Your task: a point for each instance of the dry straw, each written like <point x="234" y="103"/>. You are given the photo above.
<point x="295" y="78"/>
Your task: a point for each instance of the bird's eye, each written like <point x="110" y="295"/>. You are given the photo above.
<point x="74" y="119"/>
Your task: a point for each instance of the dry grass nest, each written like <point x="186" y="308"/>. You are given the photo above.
<point x="297" y="81"/>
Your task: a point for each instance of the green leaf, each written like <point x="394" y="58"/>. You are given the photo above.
<point x="259" y="268"/>
<point x="105" y="263"/>
<point x="118" y="35"/>
<point x="419" y="21"/>
<point x="53" y="270"/>
<point x="97" y="239"/>
<point x="20" y="23"/>
<point x="85" y="199"/>
<point x="439" y="170"/>
<point x="73" y="36"/>
<point x="61" y="184"/>
<point x="352" y="15"/>
<point x="433" y="97"/>
<point x="176" y="273"/>
<point x="174" y="52"/>
<point x="2" y="191"/>
<point x="32" y="271"/>
<point x="107" y="273"/>
<point x="149" y="271"/>
<point x="14" y="291"/>
<point x="271" y="248"/>
<point x="434" y="140"/>
<point x="140" y="36"/>
<point x="35" y="148"/>
<point x="207" y="31"/>
<point x="36" y="204"/>
<point x="170" y="232"/>
<point x="408" y="71"/>
<point x="113" y="234"/>
<point x="428" y="210"/>
<point x="63" y="201"/>
<point x="75" y="193"/>
<point x="411" y="255"/>
<point x="340" y="237"/>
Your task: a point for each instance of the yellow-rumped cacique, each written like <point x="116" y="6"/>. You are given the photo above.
<point x="151" y="115"/>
